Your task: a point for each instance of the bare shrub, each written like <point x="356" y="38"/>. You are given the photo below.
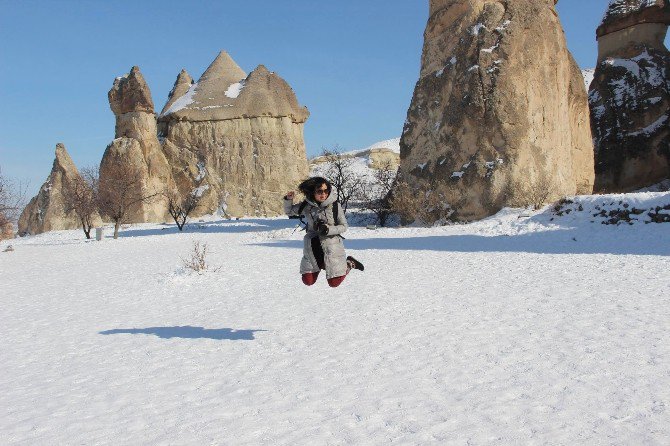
<point x="534" y="195"/>
<point x="181" y="205"/>
<point x="341" y="174"/>
<point x="6" y="228"/>
<point x="423" y="203"/>
<point x="12" y="200"/>
<point x="81" y="197"/>
<point x="376" y="195"/>
<point x="196" y="260"/>
<point x="119" y="189"/>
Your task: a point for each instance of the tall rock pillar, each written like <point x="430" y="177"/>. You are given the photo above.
<point x="500" y="111"/>
<point x="630" y="96"/>
<point x="136" y="145"/>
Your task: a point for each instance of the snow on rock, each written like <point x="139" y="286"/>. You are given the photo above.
<point x="186" y="99"/>
<point x="364" y="161"/>
<point x="234" y="90"/>
<point x="617" y="8"/>
<point x="391" y="144"/>
<point x="588" y="76"/>
<point x="616" y="209"/>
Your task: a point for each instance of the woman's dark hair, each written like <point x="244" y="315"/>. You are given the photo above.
<point x="310" y="185"/>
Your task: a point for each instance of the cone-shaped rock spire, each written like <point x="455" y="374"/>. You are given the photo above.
<point x="45" y="212"/>
<point x="223" y="70"/>
<point x="181" y="86"/>
<point x="225" y="92"/>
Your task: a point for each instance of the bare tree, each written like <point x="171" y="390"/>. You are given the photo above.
<point x="341" y="174"/>
<point x="425" y="203"/>
<point x="81" y="197"/>
<point x="119" y="190"/>
<point x="529" y="194"/>
<point x="180" y="205"/>
<point x="376" y="195"/>
<point x="12" y="198"/>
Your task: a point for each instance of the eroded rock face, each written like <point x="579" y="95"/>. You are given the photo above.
<point x="630" y="96"/>
<point x="136" y="144"/>
<point x="483" y="119"/>
<point x="46" y="211"/>
<point x="237" y="139"/>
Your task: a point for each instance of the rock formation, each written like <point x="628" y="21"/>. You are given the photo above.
<point x="500" y="111"/>
<point x="46" y="211"/>
<point x="136" y="147"/>
<point x="238" y="139"/>
<point x="630" y="96"/>
<point x="381" y="155"/>
<point x="181" y="86"/>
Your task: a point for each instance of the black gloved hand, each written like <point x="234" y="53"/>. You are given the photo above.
<point x="322" y="228"/>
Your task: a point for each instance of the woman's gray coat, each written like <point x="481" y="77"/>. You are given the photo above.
<point x="333" y="248"/>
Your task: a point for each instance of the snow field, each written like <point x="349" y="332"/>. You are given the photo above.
<point x="506" y="331"/>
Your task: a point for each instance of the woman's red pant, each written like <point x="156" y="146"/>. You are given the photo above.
<point x="309" y="279"/>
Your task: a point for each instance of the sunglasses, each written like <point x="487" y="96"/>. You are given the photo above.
<point x="321" y="191"/>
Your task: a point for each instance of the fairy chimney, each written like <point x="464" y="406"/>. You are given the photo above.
<point x="47" y="210"/>
<point x="630" y="96"/>
<point x="482" y="121"/>
<point x="236" y="138"/>
<point x="136" y="145"/>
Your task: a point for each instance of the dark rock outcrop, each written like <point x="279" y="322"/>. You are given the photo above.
<point x="630" y="96"/>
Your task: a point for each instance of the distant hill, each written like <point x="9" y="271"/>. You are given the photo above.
<point x="364" y="161"/>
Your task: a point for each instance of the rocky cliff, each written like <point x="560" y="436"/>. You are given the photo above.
<point x="236" y="138"/>
<point x="483" y="121"/>
<point x="46" y="211"/>
<point x="630" y="96"/>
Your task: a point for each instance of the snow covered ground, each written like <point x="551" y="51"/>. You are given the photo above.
<point x="547" y="329"/>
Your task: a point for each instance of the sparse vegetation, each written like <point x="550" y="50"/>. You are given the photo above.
<point x="81" y="197"/>
<point x="536" y="195"/>
<point x="12" y="198"/>
<point x="119" y="190"/>
<point x="423" y="203"/>
<point x="376" y="195"/>
<point x="197" y="258"/>
<point x="341" y="174"/>
<point x="181" y="205"/>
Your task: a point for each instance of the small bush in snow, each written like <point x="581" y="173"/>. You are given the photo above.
<point x="196" y="261"/>
<point x="423" y="203"/>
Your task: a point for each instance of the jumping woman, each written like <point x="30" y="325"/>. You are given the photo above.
<point x="323" y="247"/>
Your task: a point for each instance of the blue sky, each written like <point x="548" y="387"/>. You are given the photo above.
<point x="353" y="63"/>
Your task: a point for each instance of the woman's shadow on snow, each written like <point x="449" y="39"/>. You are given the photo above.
<point x="188" y="332"/>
